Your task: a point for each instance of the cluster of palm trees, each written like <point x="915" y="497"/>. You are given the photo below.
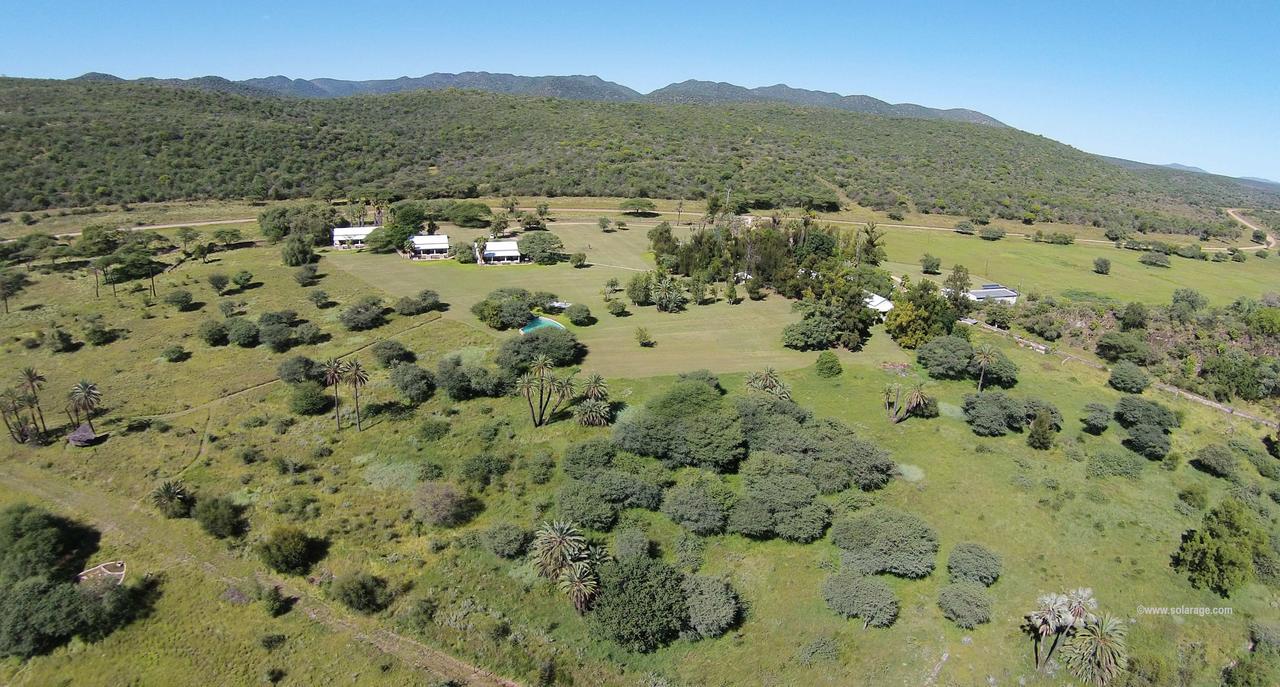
<point x="561" y="553"/>
<point x="1096" y="652"/>
<point x="768" y="381"/>
<point x="898" y="408"/>
<point x="23" y="414"/>
<point x="338" y="372"/>
<point x="594" y="410"/>
<point x="544" y="391"/>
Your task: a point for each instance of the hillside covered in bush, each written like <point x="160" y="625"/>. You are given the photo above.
<point x="80" y="143"/>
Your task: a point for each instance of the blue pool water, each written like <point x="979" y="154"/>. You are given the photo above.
<point x="539" y="323"/>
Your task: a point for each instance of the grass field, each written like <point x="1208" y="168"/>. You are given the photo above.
<point x="1053" y="527"/>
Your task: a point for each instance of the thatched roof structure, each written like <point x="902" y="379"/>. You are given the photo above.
<point x="83" y="436"/>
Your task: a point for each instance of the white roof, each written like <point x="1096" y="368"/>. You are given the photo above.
<point x="352" y="233"/>
<point x="433" y="241"/>
<point x="502" y="249"/>
<point x="878" y="302"/>
<point x="989" y="291"/>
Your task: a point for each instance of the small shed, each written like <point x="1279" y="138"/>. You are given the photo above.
<point x="500" y="253"/>
<point x="82" y="436"/>
<point x="351" y="237"/>
<point x="994" y="293"/>
<point x="429" y="247"/>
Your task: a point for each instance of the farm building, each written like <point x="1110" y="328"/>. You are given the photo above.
<point x="878" y="303"/>
<point x="994" y="293"/>
<point x="351" y="237"/>
<point x="432" y="247"/>
<point x="499" y="253"/>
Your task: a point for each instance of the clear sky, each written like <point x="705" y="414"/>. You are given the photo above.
<point x="1191" y="82"/>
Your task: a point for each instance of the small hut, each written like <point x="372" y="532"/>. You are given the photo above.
<point x="83" y="436"/>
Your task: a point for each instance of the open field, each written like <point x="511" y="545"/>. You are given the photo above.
<point x="1054" y="527"/>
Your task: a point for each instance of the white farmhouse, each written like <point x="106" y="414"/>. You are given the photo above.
<point x="351" y="237"/>
<point x="432" y="247"/>
<point x="994" y="293"/>
<point x="499" y="253"/>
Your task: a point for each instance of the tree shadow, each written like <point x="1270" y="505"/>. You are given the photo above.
<point x="193" y="306"/>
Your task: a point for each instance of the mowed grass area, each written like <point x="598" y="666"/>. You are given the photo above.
<point x="718" y="336"/>
<point x="1067" y="271"/>
<point x="63" y="221"/>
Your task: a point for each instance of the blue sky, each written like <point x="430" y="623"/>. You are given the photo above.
<point x="1195" y="83"/>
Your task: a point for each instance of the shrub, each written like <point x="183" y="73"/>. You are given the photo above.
<point x="288" y="550"/>
<point x="993" y="413"/>
<point x="965" y="603"/>
<point x="1219" y="556"/>
<point x="318" y="298"/>
<point x="462" y="381"/>
<point x="219" y="517"/>
<point x="1116" y="346"/>
<point x="275" y="602"/>
<point x="1194" y="495"/>
<point x="179" y="298"/>
<point x="815" y="332"/>
<point x="484" y="469"/>
<point x="299" y="369"/>
<point x="1132" y="410"/>
<point x="559" y="345"/>
<point x="617" y="308"/>
<point x="1114" y="464"/>
<point x="365" y="313"/>
<point x="643" y="338"/>
<point x="218" y="281"/>
<point x="414" y="383"/>
<point x="242" y="332"/>
<point x="174" y="354"/>
<point x="278" y="337"/>
<point x="1002" y="372"/>
<point x="242" y="279"/>
<point x="930" y="264"/>
<point x="1216" y="460"/>
<point x="1097" y="417"/>
<point x="433" y="429"/>
<point x="362" y="592"/>
<point x="308" y="333"/>
<point x="305" y="275"/>
<point x="585" y="503"/>
<point x="883" y="539"/>
<point x="389" y="352"/>
<point x="1148" y="440"/>
<point x="587" y="457"/>
<point x="1040" y="436"/>
<point x="308" y="398"/>
<point x="641" y="605"/>
<point x="945" y="357"/>
<point x="627" y="490"/>
<point x="1128" y="377"/>
<point x="828" y="365"/>
<point x="509" y="308"/>
<point x="542" y="247"/>
<point x="990" y="233"/>
<point x="1154" y="259"/>
<point x="442" y="505"/>
<point x="213" y="333"/>
<point x="579" y="314"/>
<point x="700" y="505"/>
<point x="974" y="563"/>
<point x="505" y="540"/>
<point x="425" y="301"/>
<point x="578" y="259"/>
<point x="852" y="595"/>
<point x="631" y="543"/>
<point x="713" y="605"/>
<point x="1102" y="266"/>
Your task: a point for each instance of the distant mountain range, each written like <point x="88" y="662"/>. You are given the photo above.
<point x="575" y="87"/>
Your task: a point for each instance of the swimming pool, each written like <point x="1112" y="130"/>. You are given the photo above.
<point x="539" y="323"/>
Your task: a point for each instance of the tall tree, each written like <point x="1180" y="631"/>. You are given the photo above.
<point x="984" y="356"/>
<point x="32" y="381"/>
<point x="335" y="372"/>
<point x="85" y="398"/>
<point x="956" y="288"/>
<point x="357" y="377"/>
<point x="186" y="235"/>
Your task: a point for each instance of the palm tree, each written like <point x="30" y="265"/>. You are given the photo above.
<point x="33" y="381"/>
<point x="1081" y="605"/>
<point x="1051" y="617"/>
<point x="10" y="405"/>
<point x="172" y="499"/>
<point x="357" y="377"/>
<point x="542" y="381"/>
<point x="555" y="546"/>
<point x="579" y="582"/>
<point x="594" y="388"/>
<point x="592" y="413"/>
<point x="1097" y="654"/>
<point x="984" y="356"/>
<point x="85" y="397"/>
<point x="769" y="382"/>
<point x="335" y="371"/>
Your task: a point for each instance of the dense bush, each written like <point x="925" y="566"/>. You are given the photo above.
<point x="1148" y="440"/>
<point x="309" y="398"/>
<point x="219" y="516"/>
<point x="442" y="504"/>
<point x="965" y="603"/>
<point x="1117" y="346"/>
<point x="993" y="413"/>
<point x="1220" y="554"/>
<point x="299" y="369"/>
<point x="180" y="299"/>
<point x="462" y="381"/>
<point x="288" y="550"/>
<point x="365" y="313"/>
<point x="1216" y="460"/>
<point x="641" y="604"/>
<point x="700" y="505"/>
<point x="1114" y="464"/>
<point x="828" y="365"/>
<point x="628" y="490"/>
<point x="508" y="308"/>
<point x="1128" y="377"/>
<point x="587" y="457"/>
<point x="813" y="333"/>
<point x="945" y="357"/>
<point x="389" y="352"/>
<point x="713" y="605"/>
<point x="973" y="562"/>
<point x="414" y="383"/>
<point x="542" y="247"/>
<point x="688" y="425"/>
<point x="1096" y="419"/>
<point x="560" y="346"/>
<point x="505" y="539"/>
<point x="585" y="504"/>
<point x="362" y="592"/>
<point x="242" y="332"/>
<point x="425" y="301"/>
<point x="883" y="539"/>
<point x="579" y="314"/>
<point x="854" y="595"/>
<point x="1132" y="410"/>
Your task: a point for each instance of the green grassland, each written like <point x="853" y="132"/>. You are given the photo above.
<point x="1054" y="528"/>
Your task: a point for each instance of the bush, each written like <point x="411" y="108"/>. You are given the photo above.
<point x="1097" y="417"/>
<point x="1148" y="440"/>
<point x="213" y="333"/>
<point x="218" y="281"/>
<point x="852" y="595"/>
<point x="365" y="313"/>
<point x="433" y="429"/>
<point x="362" y="592"/>
<point x="828" y="365"/>
<point x="585" y="503"/>
<point x="442" y="505"/>
<point x="242" y="332"/>
<point x="627" y="490"/>
<point x="1154" y="259"/>
<point x="509" y="308"/>
<point x="1128" y="377"/>
<point x="965" y="603"/>
<point x="425" y="301"/>
<point x="617" y="308"/>
<point x="631" y="543"/>
<point x="299" y="369"/>
<point x="813" y="333"/>
<point x="713" y="605"/>
<point x="700" y="505"/>
<point x="462" y="381"/>
<point x="179" y="298"/>
<point x="220" y="517"/>
<point x="542" y="247"/>
<point x="1132" y="410"/>
<point x="990" y="233"/>
<point x="993" y="413"/>
<point x="1116" y="346"/>
<point x="579" y="314"/>
<point x="505" y="539"/>
<point x="309" y="398"/>
<point x="174" y="354"/>
<point x="1114" y="464"/>
<point x="973" y="563"/>
<point x="559" y="345"/>
<point x="930" y="264"/>
<point x="1040" y="436"/>
<point x="945" y="357"/>
<point x="883" y="539"/>
<point x="278" y="337"/>
<point x="288" y="550"/>
<point x="1219" y="556"/>
<point x="414" y="383"/>
<point x="1194" y="495"/>
<point x="1102" y="266"/>
<point x="390" y="352"/>
<point x="578" y="259"/>
<point x="304" y="276"/>
<point x="1216" y="460"/>
<point x="484" y="469"/>
<point x="585" y="458"/>
<point x="641" y="604"/>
